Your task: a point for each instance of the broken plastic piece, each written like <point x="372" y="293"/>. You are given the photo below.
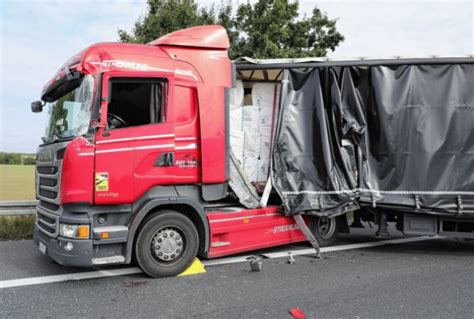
<point x="291" y="259"/>
<point x="255" y="263"/>
<point x="297" y="313"/>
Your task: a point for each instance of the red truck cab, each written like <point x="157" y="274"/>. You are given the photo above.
<point x="135" y="160"/>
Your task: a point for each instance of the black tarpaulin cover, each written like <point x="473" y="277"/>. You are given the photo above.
<point x="395" y="136"/>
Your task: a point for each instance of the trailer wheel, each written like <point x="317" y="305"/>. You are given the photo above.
<point x="325" y="230"/>
<point x="166" y="245"/>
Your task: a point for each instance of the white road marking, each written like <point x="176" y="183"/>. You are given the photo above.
<point x="68" y="277"/>
<point x="308" y="251"/>
<point x="221" y="261"/>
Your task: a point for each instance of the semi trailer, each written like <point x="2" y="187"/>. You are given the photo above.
<point x="162" y="152"/>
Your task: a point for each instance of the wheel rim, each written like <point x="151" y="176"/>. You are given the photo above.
<point x="167" y="245"/>
<point x="326" y="227"/>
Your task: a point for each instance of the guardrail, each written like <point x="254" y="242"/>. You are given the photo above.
<point x="17" y="208"/>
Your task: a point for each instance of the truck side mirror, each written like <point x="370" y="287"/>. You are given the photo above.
<point x="37" y="107"/>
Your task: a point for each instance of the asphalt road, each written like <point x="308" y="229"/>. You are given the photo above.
<point x="426" y="279"/>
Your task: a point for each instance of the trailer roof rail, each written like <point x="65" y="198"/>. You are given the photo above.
<point x="246" y="63"/>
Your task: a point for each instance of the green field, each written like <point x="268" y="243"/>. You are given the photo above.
<point x="17" y="182"/>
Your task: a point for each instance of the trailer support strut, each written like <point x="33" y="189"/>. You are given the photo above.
<point x="308" y="234"/>
<point x="382" y="231"/>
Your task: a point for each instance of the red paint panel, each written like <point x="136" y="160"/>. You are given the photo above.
<point x="77" y="177"/>
<point x="128" y="155"/>
<point x="214" y="67"/>
<point x="114" y="158"/>
<point x="188" y="144"/>
<point x="250" y="229"/>
<point x="206" y="36"/>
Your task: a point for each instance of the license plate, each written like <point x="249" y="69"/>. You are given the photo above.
<point x="42" y="248"/>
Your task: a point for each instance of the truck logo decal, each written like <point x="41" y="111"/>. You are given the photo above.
<point x="187" y="161"/>
<point x="283" y="229"/>
<point x="141" y="67"/>
<point x="102" y="182"/>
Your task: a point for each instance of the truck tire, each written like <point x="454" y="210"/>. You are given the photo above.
<point x="325" y="230"/>
<point x="166" y="244"/>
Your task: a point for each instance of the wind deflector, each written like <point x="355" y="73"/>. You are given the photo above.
<point x="395" y="136"/>
<point x="206" y="36"/>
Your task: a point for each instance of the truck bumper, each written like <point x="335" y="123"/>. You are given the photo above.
<point x="85" y="252"/>
<point x="54" y="248"/>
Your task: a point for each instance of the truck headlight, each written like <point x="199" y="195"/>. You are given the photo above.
<point x="74" y="231"/>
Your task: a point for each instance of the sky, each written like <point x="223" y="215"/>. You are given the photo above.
<point x="37" y="37"/>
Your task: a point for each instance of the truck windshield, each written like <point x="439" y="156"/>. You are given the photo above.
<point x="69" y="116"/>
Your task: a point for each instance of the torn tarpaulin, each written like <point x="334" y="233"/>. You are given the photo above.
<point x="398" y="136"/>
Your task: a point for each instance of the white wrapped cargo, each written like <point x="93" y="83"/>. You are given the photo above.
<point x="251" y="131"/>
<point x="250" y="118"/>
<point x="252" y="145"/>
<point x="263" y="94"/>
<point x="262" y="170"/>
<point x="237" y="139"/>
<point x="265" y="123"/>
<point x="251" y="168"/>
<point x="265" y="147"/>
<point x="236" y="95"/>
<point x="236" y="117"/>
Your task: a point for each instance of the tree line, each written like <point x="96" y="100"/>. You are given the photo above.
<point x="264" y="29"/>
<point x="17" y="158"/>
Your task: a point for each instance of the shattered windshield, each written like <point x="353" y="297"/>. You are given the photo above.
<point x="70" y="115"/>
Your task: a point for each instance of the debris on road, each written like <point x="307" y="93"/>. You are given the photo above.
<point x="291" y="259"/>
<point x="255" y="263"/>
<point x="133" y="283"/>
<point x="297" y="313"/>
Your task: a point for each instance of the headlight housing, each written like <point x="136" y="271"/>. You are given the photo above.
<point x="74" y="231"/>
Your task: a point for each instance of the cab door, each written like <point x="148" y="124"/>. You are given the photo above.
<point x="136" y="139"/>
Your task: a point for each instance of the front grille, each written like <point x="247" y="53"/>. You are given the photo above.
<point x="48" y="176"/>
<point x="49" y="206"/>
<point x="47" y="170"/>
<point x="47" y="223"/>
<point x="60" y="154"/>
<point x="50" y="182"/>
<point x="46" y="218"/>
<point x="47" y="193"/>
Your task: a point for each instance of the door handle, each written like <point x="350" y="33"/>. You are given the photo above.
<point x="165" y="159"/>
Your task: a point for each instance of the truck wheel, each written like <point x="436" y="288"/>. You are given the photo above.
<point x="166" y="245"/>
<point x="325" y="230"/>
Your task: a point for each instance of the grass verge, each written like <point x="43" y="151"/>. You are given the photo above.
<point x="17" y="182"/>
<point x="16" y="227"/>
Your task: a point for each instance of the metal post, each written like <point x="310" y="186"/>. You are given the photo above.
<point x="308" y="234"/>
<point x="382" y="231"/>
<point x="357" y="223"/>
